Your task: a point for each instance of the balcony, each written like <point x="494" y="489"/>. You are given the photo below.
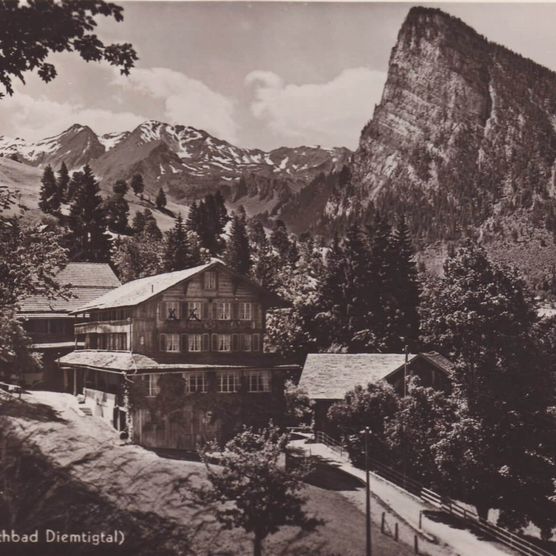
<point x="101" y="327"/>
<point x="207" y="325"/>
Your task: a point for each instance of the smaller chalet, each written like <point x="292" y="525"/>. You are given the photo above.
<point x="178" y="358"/>
<point x="50" y="322"/>
<point x="327" y="377"/>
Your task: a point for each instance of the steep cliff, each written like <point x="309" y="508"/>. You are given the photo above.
<point x="463" y="141"/>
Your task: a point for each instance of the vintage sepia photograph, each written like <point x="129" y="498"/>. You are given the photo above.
<point x="277" y="278"/>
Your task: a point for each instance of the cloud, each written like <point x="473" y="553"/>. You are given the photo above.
<point x="187" y="101"/>
<point x="37" y="118"/>
<point x="327" y="114"/>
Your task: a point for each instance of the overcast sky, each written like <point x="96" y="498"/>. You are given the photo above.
<point x="256" y="74"/>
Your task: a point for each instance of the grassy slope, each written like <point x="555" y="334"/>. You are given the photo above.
<point x="25" y="182"/>
<point x="80" y="476"/>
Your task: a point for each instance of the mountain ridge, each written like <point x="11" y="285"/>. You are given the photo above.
<point x="186" y="161"/>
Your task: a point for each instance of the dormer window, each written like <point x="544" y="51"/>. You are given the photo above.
<point x="210" y="280"/>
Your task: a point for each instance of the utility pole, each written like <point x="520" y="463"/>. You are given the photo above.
<point x="367" y="494"/>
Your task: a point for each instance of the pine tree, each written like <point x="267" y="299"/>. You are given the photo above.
<point x="208" y="219"/>
<point x="381" y="295"/>
<point x="238" y="253"/>
<point x="280" y="240"/>
<point x="63" y="183"/>
<point x="137" y="184"/>
<point x="138" y="223"/>
<point x="406" y="290"/>
<point x="49" y="195"/>
<point x="120" y="188"/>
<point x="177" y="251"/>
<point x="355" y="269"/>
<point x="160" y="199"/>
<point x="87" y="239"/>
<point x="117" y="209"/>
<point x="151" y="227"/>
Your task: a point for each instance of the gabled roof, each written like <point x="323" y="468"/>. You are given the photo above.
<point x="330" y="375"/>
<point x="86" y="282"/>
<point x="133" y="362"/>
<point x="137" y="291"/>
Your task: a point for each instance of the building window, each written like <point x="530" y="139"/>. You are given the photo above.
<point x="169" y="342"/>
<point x="245" y="342"/>
<point x="245" y="311"/>
<point x="194" y="310"/>
<point x="223" y="342"/>
<point x="195" y="342"/>
<point x="223" y="310"/>
<point x="151" y="384"/>
<point x="228" y="381"/>
<point x="172" y="310"/>
<point x="195" y="382"/>
<point x="258" y="381"/>
<point x="210" y="280"/>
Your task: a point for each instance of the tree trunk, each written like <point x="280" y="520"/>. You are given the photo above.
<point x="257" y="545"/>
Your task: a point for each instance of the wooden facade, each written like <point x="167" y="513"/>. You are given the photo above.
<point x="196" y="369"/>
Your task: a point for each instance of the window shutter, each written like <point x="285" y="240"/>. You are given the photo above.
<point x="235" y="342"/>
<point x="184" y="308"/>
<point x="235" y="310"/>
<point x="163" y="342"/>
<point x="216" y="277"/>
<point x="215" y="342"/>
<point x="205" y="310"/>
<point x="256" y="342"/>
<point x="205" y="342"/>
<point x="162" y="310"/>
<point x="214" y="310"/>
<point x="184" y="344"/>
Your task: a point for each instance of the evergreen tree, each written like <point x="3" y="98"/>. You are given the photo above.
<point x="63" y="183"/>
<point x="381" y="294"/>
<point x="177" y="251"/>
<point x="280" y="240"/>
<point x="49" y="195"/>
<point x="331" y="296"/>
<point x="138" y="223"/>
<point x="257" y="235"/>
<point x="160" y="199"/>
<point x="117" y="209"/>
<point x="404" y="320"/>
<point x="355" y="271"/>
<point x="87" y="239"/>
<point x="208" y="219"/>
<point x="151" y="227"/>
<point x="137" y="184"/>
<point x="238" y="254"/>
<point x="120" y="188"/>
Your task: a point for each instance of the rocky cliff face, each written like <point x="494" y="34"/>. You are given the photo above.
<point x="464" y="136"/>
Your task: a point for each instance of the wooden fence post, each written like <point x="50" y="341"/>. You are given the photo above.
<point x="396" y="533"/>
<point x="382" y="523"/>
<point x="420" y="519"/>
<point x="416" y="544"/>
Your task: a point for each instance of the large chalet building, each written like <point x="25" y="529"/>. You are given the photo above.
<point x="177" y="358"/>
